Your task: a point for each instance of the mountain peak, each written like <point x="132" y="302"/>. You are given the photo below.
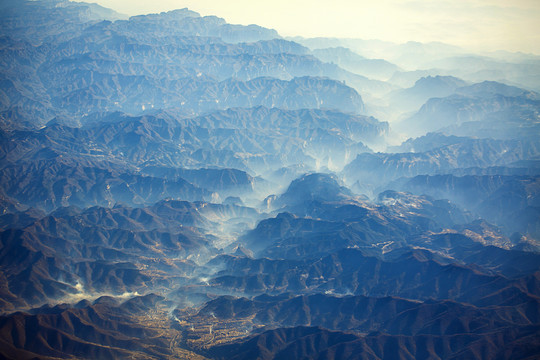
<point x="314" y="187"/>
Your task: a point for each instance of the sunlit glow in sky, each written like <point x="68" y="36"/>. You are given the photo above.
<point x="474" y="24"/>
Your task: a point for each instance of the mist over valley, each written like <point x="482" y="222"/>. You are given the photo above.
<point x="174" y="186"/>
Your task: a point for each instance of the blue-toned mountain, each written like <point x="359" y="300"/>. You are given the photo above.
<point x="175" y="186"/>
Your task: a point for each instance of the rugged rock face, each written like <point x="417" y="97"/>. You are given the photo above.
<point x="292" y="343"/>
<point x="130" y="66"/>
<point x="455" y="155"/>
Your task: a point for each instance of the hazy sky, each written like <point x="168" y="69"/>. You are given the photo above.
<point x="475" y="24"/>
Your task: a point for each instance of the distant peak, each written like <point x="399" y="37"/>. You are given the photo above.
<point x="185" y="12"/>
<point x="178" y="14"/>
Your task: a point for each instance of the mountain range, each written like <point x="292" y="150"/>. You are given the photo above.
<point x="173" y="186"/>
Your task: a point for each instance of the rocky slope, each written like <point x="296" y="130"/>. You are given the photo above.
<point x="174" y="186"/>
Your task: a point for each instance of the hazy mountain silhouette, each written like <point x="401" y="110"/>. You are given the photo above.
<point x="175" y="186"/>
